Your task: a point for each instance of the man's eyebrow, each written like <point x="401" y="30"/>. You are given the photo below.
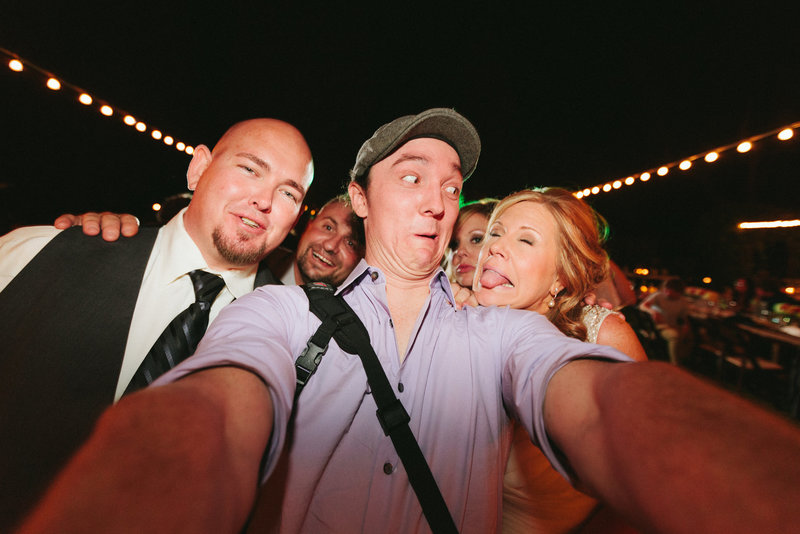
<point x="266" y="167"/>
<point x="331" y="220"/>
<point x="255" y="159"/>
<point x="423" y="160"/>
<point x="410" y="157"/>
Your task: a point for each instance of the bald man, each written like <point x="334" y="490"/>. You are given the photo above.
<point x="95" y="308"/>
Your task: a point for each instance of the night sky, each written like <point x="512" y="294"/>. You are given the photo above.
<point x="568" y="96"/>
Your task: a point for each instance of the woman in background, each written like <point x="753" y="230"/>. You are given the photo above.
<point x="468" y="232"/>
<point x="543" y="252"/>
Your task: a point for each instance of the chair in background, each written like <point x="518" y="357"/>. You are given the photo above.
<point x="751" y="360"/>
<point x="642" y="323"/>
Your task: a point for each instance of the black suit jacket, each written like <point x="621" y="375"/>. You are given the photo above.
<point x="64" y="324"/>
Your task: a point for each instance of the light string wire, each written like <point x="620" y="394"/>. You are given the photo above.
<point x="784" y="134"/>
<point x="18" y="64"/>
<point x="57" y="83"/>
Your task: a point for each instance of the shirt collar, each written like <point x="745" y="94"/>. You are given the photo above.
<point x="181" y="255"/>
<point x="364" y="271"/>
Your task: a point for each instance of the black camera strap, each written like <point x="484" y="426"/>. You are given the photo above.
<point x="340" y="322"/>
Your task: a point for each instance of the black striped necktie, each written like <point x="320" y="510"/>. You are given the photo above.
<point x="179" y="340"/>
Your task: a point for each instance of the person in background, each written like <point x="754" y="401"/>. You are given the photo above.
<point x="543" y="252"/>
<point x="328" y="249"/>
<point x="468" y="232"/>
<point x="670" y="310"/>
<point x="616" y="288"/>
<point x="79" y="315"/>
<point x="225" y="414"/>
<point x="743" y="294"/>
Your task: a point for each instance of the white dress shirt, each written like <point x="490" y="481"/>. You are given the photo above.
<point x="166" y="287"/>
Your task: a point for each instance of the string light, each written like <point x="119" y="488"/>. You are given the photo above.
<point x="784" y="134"/>
<point x="17" y="64"/>
<point x="769" y="224"/>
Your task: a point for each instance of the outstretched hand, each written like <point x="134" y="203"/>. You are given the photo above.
<point x="111" y="224"/>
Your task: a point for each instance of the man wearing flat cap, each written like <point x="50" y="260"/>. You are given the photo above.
<point x="187" y="454"/>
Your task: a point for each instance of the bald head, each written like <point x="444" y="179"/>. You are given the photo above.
<point x="248" y="191"/>
<point x="271" y="131"/>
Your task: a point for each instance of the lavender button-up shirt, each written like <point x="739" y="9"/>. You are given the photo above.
<point x="464" y="375"/>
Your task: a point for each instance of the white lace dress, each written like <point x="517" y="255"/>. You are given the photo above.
<point x="535" y="497"/>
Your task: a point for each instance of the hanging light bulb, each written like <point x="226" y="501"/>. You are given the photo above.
<point x="15" y="65"/>
<point x="744" y="147"/>
<point x="53" y="84"/>
<point x="711" y="157"/>
<point x="85" y="99"/>
<point x="106" y="110"/>
<point x="786" y="134"/>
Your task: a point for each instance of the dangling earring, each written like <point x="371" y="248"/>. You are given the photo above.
<point x="552" y="302"/>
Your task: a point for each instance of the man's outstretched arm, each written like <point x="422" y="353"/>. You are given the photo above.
<point x="673" y="453"/>
<point x="183" y="457"/>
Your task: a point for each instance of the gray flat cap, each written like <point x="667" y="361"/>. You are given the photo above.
<point x="439" y="123"/>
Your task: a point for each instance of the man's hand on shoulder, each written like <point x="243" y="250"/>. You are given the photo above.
<point x="111" y="224"/>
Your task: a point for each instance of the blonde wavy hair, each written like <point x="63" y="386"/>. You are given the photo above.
<point x="581" y="262"/>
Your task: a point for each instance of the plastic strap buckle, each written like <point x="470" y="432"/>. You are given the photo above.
<point x="392" y="416"/>
<point x="308" y="361"/>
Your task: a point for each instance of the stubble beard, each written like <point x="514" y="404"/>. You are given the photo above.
<point x="302" y="266"/>
<point x="235" y="250"/>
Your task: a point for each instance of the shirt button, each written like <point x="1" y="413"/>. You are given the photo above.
<point x="387" y="468"/>
<point x="373" y="275"/>
<point x="400" y="387"/>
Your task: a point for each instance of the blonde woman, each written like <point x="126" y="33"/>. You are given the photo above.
<point x="543" y="252"/>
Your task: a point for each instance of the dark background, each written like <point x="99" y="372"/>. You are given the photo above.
<point x="572" y="96"/>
